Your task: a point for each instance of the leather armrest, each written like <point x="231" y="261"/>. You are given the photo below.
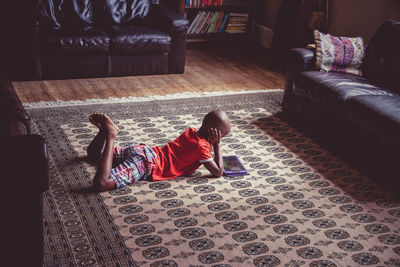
<point x="11" y="127"/>
<point x="167" y="20"/>
<point x="24" y="173"/>
<point x="13" y="116"/>
<point x="10" y="102"/>
<point x="176" y="26"/>
<point x="24" y="163"/>
<point x="301" y="59"/>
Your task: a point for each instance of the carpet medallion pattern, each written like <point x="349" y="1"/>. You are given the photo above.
<point x="300" y="205"/>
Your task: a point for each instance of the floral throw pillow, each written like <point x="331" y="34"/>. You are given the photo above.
<point x="339" y="54"/>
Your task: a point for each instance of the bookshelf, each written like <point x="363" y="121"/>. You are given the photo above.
<point x="211" y="20"/>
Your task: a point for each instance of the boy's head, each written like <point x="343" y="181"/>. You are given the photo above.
<point x="217" y="119"/>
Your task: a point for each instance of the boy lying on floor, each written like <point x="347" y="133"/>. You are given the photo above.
<point x="120" y="166"/>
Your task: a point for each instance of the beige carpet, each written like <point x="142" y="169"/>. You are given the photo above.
<point x="300" y="205"/>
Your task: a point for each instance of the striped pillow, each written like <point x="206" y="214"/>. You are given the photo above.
<point x="339" y="54"/>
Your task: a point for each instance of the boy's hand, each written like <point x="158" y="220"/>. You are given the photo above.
<point x="216" y="166"/>
<point x="214" y="136"/>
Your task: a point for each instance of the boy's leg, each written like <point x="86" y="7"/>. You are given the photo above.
<point x="96" y="146"/>
<point x="102" y="180"/>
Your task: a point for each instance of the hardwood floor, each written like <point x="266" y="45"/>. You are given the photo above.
<point x="207" y="70"/>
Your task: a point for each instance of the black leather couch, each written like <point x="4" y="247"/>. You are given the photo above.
<point x="24" y="177"/>
<point x="358" y="116"/>
<point x="92" y="38"/>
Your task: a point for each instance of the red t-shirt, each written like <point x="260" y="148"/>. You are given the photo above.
<point x="182" y="156"/>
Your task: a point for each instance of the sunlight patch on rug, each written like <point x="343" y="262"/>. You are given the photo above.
<point x="299" y="202"/>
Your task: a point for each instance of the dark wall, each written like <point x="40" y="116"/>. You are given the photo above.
<point x="16" y="25"/>
<point x="346" y="17"/>
<point x="360" y="17"/>
<point x="265" y="12"/>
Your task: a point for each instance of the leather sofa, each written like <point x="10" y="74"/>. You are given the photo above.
<point x="91" y="38"/>
<point x="24" y="178"/>
<point x="358" y="117"/>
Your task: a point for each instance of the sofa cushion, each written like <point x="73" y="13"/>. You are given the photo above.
<point x="377" y="113"/>
<point x="123" y="11"/>
<point x="59" y="13"/>
<point x="329" y="88"/>
<point x="382" y="59"/>
<point x="137" y="39"/>
<point x="74" y="41"/>
<point x="340" y="54"/>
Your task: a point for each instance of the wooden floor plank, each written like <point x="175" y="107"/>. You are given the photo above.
<point x="207" y="70"/>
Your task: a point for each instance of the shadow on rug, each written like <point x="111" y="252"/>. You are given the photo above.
<point x="300" y="205"/>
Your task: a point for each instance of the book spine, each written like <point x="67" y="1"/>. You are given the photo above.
<point x="198" y="23"/>
<point x="239" y="14"/>
<point x="237" y="25"/>
<point x="208" y="23"/>
<point x="221" y="21"/>
<point x="224" y="22"/>
<point x="194" y="22"/>
<point x="221" y="14"/>
<point x="213" y="22"/>
<point x="221" y="24"/>
<point x="204" y="25"/>
<point x="203" y="22"/>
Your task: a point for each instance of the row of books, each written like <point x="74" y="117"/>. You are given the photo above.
<point x="218" y="21"/>
<point x="237" y="23"/>
<point x="205" y="3"/>
<point x="202" y="3"/>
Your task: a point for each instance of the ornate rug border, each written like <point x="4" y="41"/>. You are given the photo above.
<point x="111" y="100"/>
<point x="151" y="107"/>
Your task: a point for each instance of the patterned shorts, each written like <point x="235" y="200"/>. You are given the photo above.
<point x="133" y="163"/>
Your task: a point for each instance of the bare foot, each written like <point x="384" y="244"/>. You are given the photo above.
<point x="105" y="124"/>
<point x="109" y="126"/>
<point x="95" y="119"/>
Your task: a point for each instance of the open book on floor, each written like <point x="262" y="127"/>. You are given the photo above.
<point x="233" y="166"/>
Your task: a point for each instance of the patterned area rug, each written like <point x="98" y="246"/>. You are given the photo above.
<point x="300" y="205"/>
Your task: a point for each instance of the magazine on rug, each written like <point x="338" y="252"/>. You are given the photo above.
<point x="233" y="166"/>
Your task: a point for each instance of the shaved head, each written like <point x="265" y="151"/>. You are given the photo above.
<point x="217" y="119"/>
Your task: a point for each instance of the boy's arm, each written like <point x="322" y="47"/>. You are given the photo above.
<point x="216" y="166"/>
